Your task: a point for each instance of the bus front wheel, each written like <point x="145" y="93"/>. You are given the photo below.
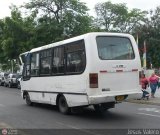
<point x="28" y="100"/>
<point x="63" y="106"/>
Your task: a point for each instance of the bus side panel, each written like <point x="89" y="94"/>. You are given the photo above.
<point x="76" y="100"/>
<point x="47" y="88"/>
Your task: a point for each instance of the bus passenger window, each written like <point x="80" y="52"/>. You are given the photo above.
<point x="35" y="64"/>
<point x="45" y="65"/>
<point x="75" y="62"/>
<point x="45" y="62"/>
<point x="58" y="61"/>
<point x="26" y="68"/>
<point x="76" y="59"/>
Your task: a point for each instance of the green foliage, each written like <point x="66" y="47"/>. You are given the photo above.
<point x="16" y="33"/>
<point x="60" y="18"/>
<point x="49" y="21"/>
<point x="150" y="32"/>
<point x="117" y="17"/>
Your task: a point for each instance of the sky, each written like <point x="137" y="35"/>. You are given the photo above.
<point x="140" y="4"/>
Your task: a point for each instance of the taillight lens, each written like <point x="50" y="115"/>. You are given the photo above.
<point x="93" y="80"/>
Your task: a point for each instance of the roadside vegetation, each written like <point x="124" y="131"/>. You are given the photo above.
<point x="47" y="21"/>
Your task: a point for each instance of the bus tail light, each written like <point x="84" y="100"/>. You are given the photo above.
<point x="93" y="80"/>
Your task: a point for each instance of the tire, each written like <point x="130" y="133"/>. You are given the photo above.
<point x="99" y="108"/>
<point x="63" y="106"/>
<point x="28" y="100"/>
<point x="0" y="83"/>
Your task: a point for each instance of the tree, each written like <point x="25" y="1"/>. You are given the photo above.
<point x="64" y="18"/>
<point x="150" y="33"/>
<point x="117" y="17"/>
<point x="16" y="33"/>
<point x="153" y="26"/>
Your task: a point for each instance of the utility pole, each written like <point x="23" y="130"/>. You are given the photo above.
<point x="11" y="65"/>
<point x="144" y="56"/>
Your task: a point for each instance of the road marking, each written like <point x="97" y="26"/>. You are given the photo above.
<point x="150" y="110"/>
<point x="70" y="126"/>
<point x="149" y="115"/>
<point x="76" y="128"/>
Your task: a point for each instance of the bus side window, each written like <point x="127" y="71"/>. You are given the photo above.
<point x="75" y="62"/>
<point x="58" y="61"/>
<point x="76" y="59"/>
<point x="35" y="64"/>
<point x="45" y="65"/>
<point x="45" y="62"/>
<point x="26" y="68"/>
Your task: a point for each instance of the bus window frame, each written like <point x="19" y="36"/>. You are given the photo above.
<point x="65" y="61"/>
<point x="40" y="58"/>
<point x="39" y="64"/>
<point x="27" y="77"/>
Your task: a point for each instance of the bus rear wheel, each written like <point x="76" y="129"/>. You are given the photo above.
<point x="99" y="108"/>
<point x="28" y="100"/>
<point x="63" y="106"/>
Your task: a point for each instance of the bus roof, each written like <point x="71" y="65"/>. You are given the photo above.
<point x="75" y="39"/>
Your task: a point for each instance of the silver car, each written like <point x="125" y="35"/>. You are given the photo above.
<point x="3" y="77"/>
<point x="11" y="80"/>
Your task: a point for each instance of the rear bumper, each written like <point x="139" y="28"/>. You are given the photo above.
<point x="111" y="97"/>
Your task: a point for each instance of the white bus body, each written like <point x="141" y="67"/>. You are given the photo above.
<point x="109" y="72"/>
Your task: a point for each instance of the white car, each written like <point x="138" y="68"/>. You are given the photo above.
<point x="11" y="80"/>
<point x="3" y="77"/>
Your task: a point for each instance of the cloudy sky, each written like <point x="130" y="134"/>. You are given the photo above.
<point x="141" y="4"/>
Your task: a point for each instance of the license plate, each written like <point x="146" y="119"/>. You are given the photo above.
<point x="119" y="98"/>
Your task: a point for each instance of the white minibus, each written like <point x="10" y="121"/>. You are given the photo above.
<point x="99" y="69"/>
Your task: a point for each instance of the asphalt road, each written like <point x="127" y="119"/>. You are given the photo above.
<point x="14" y="113"/>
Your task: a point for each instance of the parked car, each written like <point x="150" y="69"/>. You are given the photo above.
<point x="11" y="80"/>
<point x="3" y="77"/>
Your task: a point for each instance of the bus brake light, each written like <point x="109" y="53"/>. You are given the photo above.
<point x="93" y="80"/>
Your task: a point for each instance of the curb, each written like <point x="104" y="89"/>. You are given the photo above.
<point x="147" y="102"/>
<point x="4" y="125"/>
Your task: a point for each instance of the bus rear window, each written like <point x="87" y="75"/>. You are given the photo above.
<point x="114" y="48"/>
